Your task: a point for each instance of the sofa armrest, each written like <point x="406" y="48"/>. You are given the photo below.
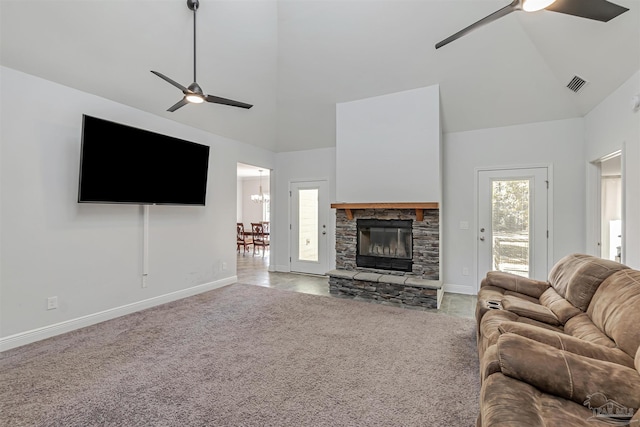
<point x="568" y="343"/>
<point x="567" y="375"/>
<point x="489" y="362"/>
<point x="515" y="283"/>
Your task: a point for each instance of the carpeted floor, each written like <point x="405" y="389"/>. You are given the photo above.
<point x="244" y="355"/>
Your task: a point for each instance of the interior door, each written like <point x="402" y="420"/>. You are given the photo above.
<point x="309" y="234"/>
<point x="512" y="222"/>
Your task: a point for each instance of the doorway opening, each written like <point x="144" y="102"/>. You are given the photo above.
<point x="611" y="207"/>
<point x="253" y="208"/>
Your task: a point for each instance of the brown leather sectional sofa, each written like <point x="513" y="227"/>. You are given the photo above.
<point x="562" y="352"/>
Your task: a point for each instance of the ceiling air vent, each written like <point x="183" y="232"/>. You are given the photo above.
<point x="576" y="83"/>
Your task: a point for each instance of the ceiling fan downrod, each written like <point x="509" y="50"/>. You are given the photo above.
<point x="193" y="5"/>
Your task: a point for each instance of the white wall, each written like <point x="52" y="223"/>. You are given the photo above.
<point x="610" y="127"/>
<point x="557" y="143"/>
<point x="90" y="255"/>
<point x="388" y="148"/>
<point x="239" y="198"/>
<point x="251" y="211"/>
<point x="309" y="165"/>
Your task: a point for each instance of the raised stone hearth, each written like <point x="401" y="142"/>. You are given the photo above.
<point x="386" y="288"/>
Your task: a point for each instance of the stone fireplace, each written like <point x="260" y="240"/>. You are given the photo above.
<point x="389" y="253"/>
<point x="388" y="162"/>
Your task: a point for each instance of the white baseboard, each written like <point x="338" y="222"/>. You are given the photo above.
<point x="28" y="337"/>
<point x="459" y="289"/>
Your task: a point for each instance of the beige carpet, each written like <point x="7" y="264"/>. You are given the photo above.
<point x="244" y="355"/>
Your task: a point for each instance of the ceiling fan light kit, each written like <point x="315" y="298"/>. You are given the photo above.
<point x="193" y="94"/>
<point x="598" y="10"/>
<point x="536" y="5"/>
<point x="194" y="99"/>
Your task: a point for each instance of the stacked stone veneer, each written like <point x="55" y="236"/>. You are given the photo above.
<point x="420" y="287"/>
<point x="426" y="240"/>
<point x="386" y="288"/>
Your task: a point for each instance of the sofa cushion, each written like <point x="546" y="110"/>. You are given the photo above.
<point x="529" y="309"/>
<point x="567" y="375"/>
<point x="576" y="277"/>
<point x="615" y="309"/>
<point x="582" y="327"/>
<point x="562" y="308"/>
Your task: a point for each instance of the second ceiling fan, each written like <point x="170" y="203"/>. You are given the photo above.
<point x="193" y="94"/>
<point x="599" y="10"/>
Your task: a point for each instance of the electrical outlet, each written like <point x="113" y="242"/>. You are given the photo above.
<point x="52" y="303"/>
<point x="224" y="265"/>
<point x="465" y="271"/>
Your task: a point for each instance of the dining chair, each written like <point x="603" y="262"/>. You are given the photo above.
<point x="259" y="238"/>
<point x="241" y="238"/>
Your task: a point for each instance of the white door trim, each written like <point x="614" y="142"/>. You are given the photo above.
<point x="476" y="172"/>
<point x="324" y="209"/>
<point x="594" y="194"/>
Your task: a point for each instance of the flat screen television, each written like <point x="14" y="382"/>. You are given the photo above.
<point x="123" y="164"/>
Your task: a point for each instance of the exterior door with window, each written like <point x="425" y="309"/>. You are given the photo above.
<point x="512" y="222"/>
<point x="309" y="234"/>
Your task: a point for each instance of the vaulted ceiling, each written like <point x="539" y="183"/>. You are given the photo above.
<point x="295" y="59"/>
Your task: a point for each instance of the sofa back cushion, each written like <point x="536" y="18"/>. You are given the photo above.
<point x="562" y="308"/>
<point x="576" y="277"/>
<point x="615" y="310"/>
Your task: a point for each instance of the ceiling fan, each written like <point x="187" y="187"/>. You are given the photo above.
<point x="193" y="94"/>
<point x="599" y="10"/>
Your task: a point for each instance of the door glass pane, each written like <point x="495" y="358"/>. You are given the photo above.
<point x="308" y="224"/>
<point x="510" y="226"/>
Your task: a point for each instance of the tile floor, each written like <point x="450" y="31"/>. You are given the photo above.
<point x="253" y="270"/>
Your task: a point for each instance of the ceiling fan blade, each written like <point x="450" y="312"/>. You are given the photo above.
<point x="177" y="105"/>
<point x="225" y="101"/>
<point x="494" y="16"/>
<point x="599" y="10"/>
<point x="176" y="84"/>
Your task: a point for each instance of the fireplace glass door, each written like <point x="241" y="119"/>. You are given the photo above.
<point x="385" y="244"/>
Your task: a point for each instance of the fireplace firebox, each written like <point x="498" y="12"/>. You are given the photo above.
<point x="385" y="244"/>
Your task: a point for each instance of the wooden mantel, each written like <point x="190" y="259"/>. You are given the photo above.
<point x="419" y="207"/>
